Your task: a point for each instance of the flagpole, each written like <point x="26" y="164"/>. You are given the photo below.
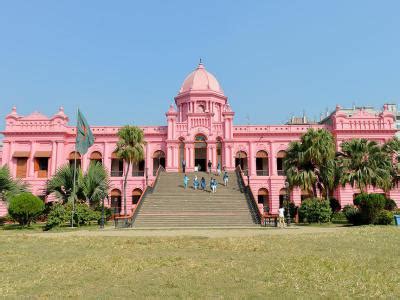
<point x="74" y="183"/>
<point x="73" y="192"/>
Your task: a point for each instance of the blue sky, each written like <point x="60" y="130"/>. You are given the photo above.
<point x="122" y="62"/>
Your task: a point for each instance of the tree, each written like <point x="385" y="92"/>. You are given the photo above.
<point x="95" y="183"/>
<point x="8" y="185"/>
<point x="392" y="149"/>
<point x="130" y="150"/>
<point x="310" y="163"/>
<point x="25" y="208"/>
<point x="62" y="182"/>
<point x="362" y="163"/>
<point x="91" y="186"/>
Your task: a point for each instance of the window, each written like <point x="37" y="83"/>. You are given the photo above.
<point x="41" y="167"/>
<point x="22" y="163"/>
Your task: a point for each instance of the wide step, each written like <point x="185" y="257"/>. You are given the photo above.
<point x="170" y="205"/>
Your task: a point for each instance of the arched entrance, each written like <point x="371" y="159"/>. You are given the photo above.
<point x="262" y="196"/>
<point x="200" y="152"/>
<point x="241" y="160"/>
<point x="136" y="193"/>
<point x="219" y="152"/>
<point x="181" y="153"/>
<point x="262" y="163"/>
<point x="116" y="201"/>
<point x="158" y="160"/>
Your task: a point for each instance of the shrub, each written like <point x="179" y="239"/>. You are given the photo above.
<point x="370" y="205"/>
<point x="57" y="216"/>
<point x="390" y="204"/>
<point x="61" y="214"/>
<point x="292" y="208"/>
<point x="315" y="210"/>
<point x="384" y="217"/>
<point x="352" y="214"/>
<point x="339" y="218"/>
<point x="25" y="208"/>
<point x="335" y="205"/>
<point x="107" y="212"/>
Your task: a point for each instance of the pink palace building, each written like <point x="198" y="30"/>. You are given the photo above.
<point x="199" y="128"/>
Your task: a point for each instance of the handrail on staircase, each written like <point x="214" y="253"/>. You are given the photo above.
<point x="147" y="189"/>
<point x="250" y="192"/>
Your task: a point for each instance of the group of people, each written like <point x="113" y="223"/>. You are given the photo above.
<point x="201" y="184"/>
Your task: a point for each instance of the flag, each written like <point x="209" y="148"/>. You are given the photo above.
<point x="84" y="136"/>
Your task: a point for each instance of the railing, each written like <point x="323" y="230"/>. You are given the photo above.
<point x="117" y="173"/>
<point x="262" y="172"/>
<point x="256" y="214"/>
<point x="137" y="173"/>
<point x="128" y="220"/>
<point x="281" y="173"/>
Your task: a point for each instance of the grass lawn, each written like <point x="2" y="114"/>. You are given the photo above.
<point x="252" y="263"/>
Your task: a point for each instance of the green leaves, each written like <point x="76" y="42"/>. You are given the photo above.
<point x="310" y="163"/>
<point x="92" y="186"/>
<point x="8" y="185"/>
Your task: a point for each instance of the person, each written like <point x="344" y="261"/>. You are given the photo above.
<point x="218" y="169"/>
<point x="203" y="183"/>
<point x="281" y="219"/>
<point x="183" y="165"/>
<point x="226" y="178"/>
<point x="212" y="185"/>
<point x="195" y="183"/>
<point x="185" y="181"/>
<point x="209" y="166"/>
<point x="215" y="185"/>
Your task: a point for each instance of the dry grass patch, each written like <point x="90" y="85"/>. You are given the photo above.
<point x="356" y="262"/>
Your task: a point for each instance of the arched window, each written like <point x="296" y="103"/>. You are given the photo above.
<point x="158" y="160"/>
<point x="279" y="162"/>
<point x="262" y="197"/>
<point x="241" y="160"/>
<point x="71" y="159"/>
<point x="305" y="195"/>
<point x="262" y="163"/>
<point x="96" y="157"/>
<point x="117" y="166"/>
<point x="136" y="193"/>
<point x="116" y="201"/>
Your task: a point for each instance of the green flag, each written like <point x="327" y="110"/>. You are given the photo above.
<point x="84" y="136"/>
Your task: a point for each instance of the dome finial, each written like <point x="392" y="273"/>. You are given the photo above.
<point x="200" y="66"/>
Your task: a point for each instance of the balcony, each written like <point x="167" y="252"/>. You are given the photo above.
<point x="281" y="173"/>
<point x="262" y="172"/>
<point x="117" y="173"/>
<point x="138" y="173"/>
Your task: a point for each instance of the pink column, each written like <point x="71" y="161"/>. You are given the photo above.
<point x="272" y="161"/>
<point x="252" y="160"/>
<point x="31" y="165"/>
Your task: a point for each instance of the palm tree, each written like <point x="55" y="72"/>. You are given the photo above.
<point x="310" y="163"/>
<point x="62" y="182"/>
<point x="9" y="185"/>
<point x="130" y="150"/>
<point x="92" y="186"/>
<point x="362" y="163"/>
<point x="95" y="183"/>
<point x="392" y="149"/>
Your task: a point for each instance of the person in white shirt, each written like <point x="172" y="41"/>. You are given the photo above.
<point x="281" y="219"/>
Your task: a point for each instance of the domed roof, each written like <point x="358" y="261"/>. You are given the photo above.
<point x="201" y="80"/>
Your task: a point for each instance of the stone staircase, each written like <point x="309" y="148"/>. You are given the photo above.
<point x="170" y="205"/>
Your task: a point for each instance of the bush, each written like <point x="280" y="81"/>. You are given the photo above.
<point x="339" y="218"/>
<point x="370" y="205"/>
<point x="352" y="214"/>
<point x="292" y="208"/>
<point x="335" y="205"/>
<point x="107" y="212"/>
<point x="315" y="210"/>
<point x="390" y="204"/>
<point x="25" y="208"/>
<point x="384" y="217"/>
<point x="61" y="214"/>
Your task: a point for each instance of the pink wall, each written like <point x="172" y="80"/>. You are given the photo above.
<point x="200" y="110"/>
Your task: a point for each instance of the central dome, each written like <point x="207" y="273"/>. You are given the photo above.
<point x="201" y="80"/>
